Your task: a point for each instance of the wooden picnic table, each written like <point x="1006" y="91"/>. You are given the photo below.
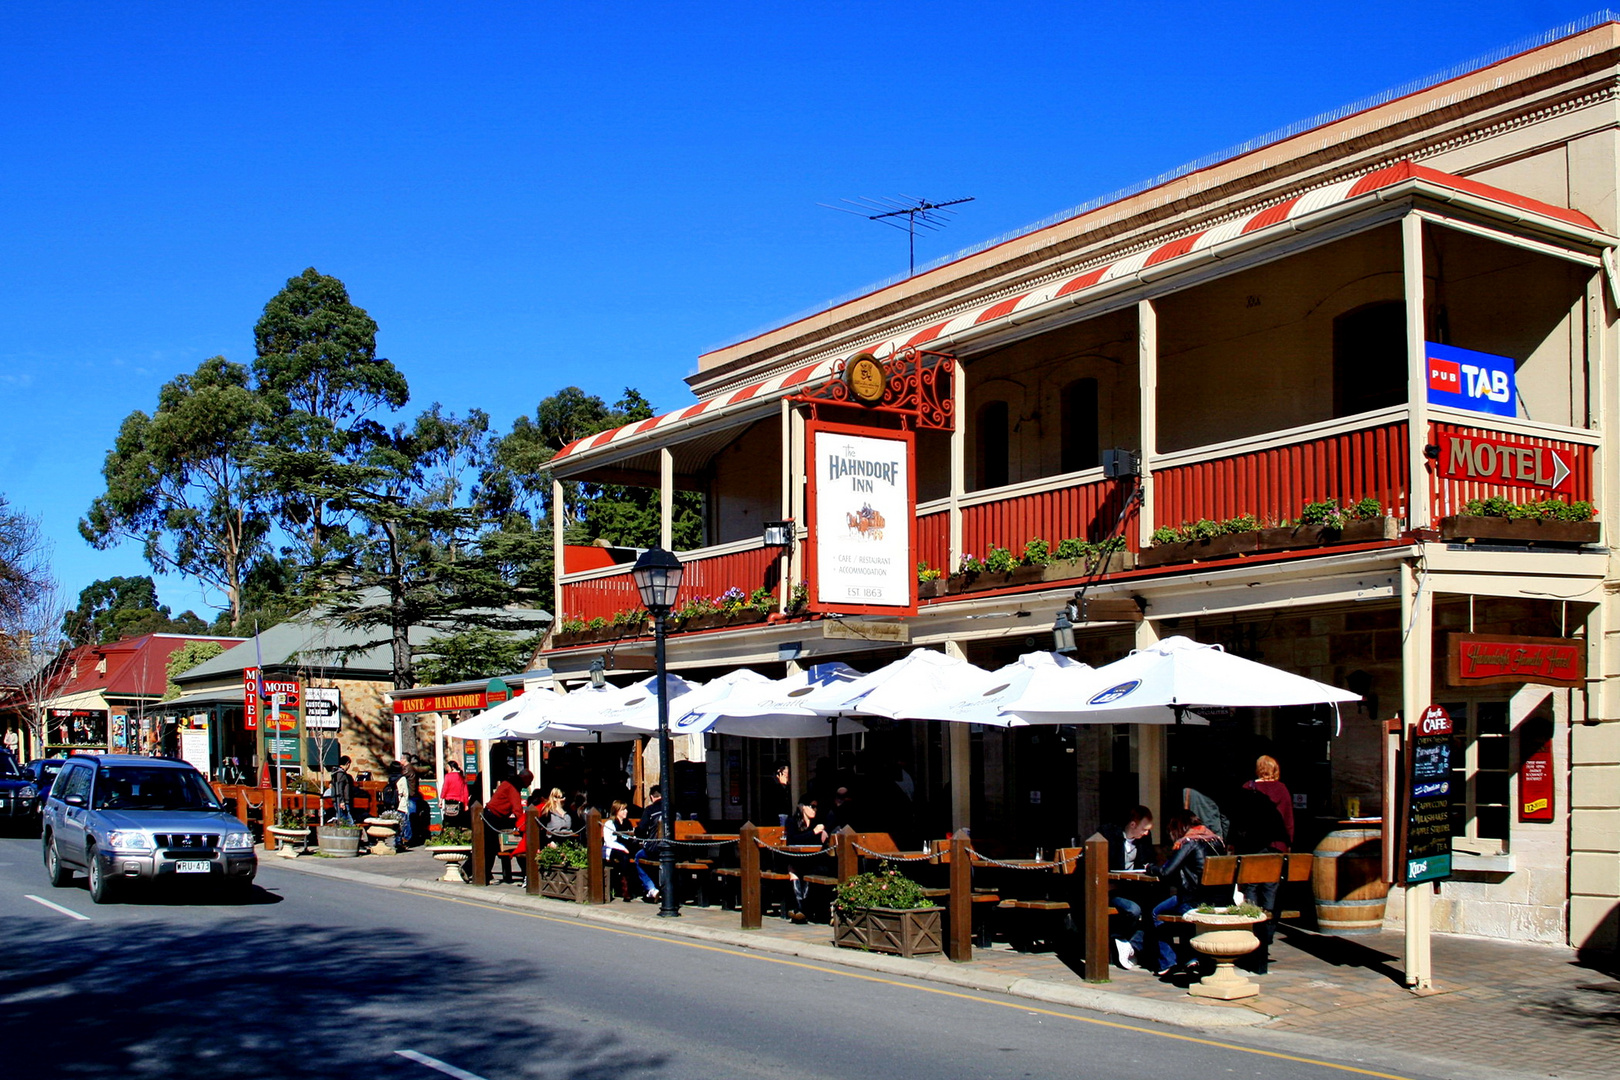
<point x="712" y="838"/>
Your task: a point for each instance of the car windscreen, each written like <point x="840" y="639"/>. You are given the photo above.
<point x="135" y="787"/>
<point x="8" y="768"/>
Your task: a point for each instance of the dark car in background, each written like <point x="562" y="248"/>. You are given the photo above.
<point x="42" y="771"/>
<point x="128" y="820"/>
<point x="19" y="797"/>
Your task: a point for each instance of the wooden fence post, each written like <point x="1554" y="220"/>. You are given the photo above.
<point x="959" y="942"/>
<point x="480" y="875"/>
<point x="1094" y="925"/>
<point x="848" y="859"/>
<point x="596" y="878"/>
<point x="531" y="852"/>
<point x="748" y="882"/>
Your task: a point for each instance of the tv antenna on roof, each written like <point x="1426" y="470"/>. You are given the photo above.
<point x="931" y="216"/>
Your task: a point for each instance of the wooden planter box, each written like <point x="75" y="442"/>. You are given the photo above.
<point x="1075" y="569"/>
<point x="565" y="883"/>
<point x="1521" y="531"/>
<point x="898" y="931"/>
<point x="1294" y="537"/>
<point x="931" y="590"/>
<point x="987" y="579"/>
<point x="718" y="619"/>
<point x="1215" y="547"/>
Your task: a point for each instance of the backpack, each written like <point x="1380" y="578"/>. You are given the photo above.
<point x="389" y="797"/>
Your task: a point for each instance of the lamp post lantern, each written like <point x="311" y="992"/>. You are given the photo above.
<point x="657" y="576"/>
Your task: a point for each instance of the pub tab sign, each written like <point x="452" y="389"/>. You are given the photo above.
<point x="1476" y="381"/>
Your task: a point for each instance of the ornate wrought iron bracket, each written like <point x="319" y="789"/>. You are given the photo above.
<point x="916" y="389"/>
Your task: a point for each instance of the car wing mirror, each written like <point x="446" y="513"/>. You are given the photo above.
<point x="74" y="800"/>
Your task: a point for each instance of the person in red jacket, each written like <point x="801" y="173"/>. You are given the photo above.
<point x="502" y="814"/>
<point x="1268" y="826"/>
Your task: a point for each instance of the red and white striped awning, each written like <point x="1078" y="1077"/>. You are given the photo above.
<point x="1276" y="217"/>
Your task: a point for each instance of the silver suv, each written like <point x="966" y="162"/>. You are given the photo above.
<point x="123" y="818"/>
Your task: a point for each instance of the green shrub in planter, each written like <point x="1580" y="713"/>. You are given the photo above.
<point x="880" y="889"/>
<point x="570" y="853"/>
<point x="450" y="838"/>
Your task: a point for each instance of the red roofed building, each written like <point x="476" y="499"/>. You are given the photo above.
<point x="103" y="693"/>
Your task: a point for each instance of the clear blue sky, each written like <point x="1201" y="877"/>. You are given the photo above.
<point x="529" y="196"/>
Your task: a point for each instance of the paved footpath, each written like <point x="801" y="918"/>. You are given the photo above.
<point x="1503" y="1008"/>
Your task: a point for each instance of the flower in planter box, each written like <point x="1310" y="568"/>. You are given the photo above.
<point x="881" y="888"/>
<point x="732" y="600"/>
<point x="1000" y="561"/>
<point x="1037" y="552"/>
<point x="928" y="573"/>
<point x="763" y="600"/>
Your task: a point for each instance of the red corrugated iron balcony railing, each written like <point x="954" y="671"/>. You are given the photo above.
<point x="709" y="572"/>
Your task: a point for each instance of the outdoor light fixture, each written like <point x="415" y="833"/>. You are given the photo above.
<point x="1120" y="463"/>
<point x="658" y="578"/>
<point x="598" y="673"/>
<point x="1062" y="633"/>
<point x="779" y="534"/>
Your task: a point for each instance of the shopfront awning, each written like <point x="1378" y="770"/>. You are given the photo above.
<point x="704" y="419"/>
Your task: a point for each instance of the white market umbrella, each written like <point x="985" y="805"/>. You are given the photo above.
<point x="895" y="690"/>
<point x="1042" y="676"/>
<point x="508" y="719"/>
<point x="768" y="709"/>
<point x="1177" y="673"/>
<point x="615" y="713"/>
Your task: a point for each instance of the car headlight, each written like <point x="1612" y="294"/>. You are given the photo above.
<point x="237" y="841"/>
<point x="28" y="791"/>
<point x="130" y="840"/>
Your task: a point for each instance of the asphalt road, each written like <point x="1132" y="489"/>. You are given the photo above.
<point x="325" y="978"/>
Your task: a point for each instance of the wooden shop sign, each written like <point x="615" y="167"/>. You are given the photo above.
<point x="1482" y="659"/>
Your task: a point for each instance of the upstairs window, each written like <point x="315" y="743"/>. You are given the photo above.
<point x="1080" y="426"/>
<point x="1369" y="358"/>
<point x="993" y="437"/>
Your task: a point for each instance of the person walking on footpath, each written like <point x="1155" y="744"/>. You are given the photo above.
<point x="454" y="797"/>
<point x="343" y="792"/>
<point x="501" y="815"/>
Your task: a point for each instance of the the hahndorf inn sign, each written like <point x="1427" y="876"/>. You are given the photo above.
<point x="862" y="505"/>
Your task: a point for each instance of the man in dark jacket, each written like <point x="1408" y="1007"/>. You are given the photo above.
<point x="1127" y="850"/>
<point x="343" y="792"/>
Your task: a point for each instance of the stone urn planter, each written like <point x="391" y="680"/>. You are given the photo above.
<point x="339" y="841"/>
<point x="1224" y="938"/>
<point x="898" y="931"/>
<point x="1520" y="530"/>
<point x="565" y="883"/>
<point x="289" y="842"/>
<point x="382" y="832"/>
<point x="453" y="856"/>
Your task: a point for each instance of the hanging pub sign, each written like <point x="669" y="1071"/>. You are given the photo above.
<point x="863" y="504"/>
<point x="1465" y="379"/>
<point x="1426" y="831"/>
<point x="1483" y="659"/>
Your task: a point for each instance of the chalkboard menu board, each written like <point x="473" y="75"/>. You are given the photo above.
<point x="1427" y="830"/>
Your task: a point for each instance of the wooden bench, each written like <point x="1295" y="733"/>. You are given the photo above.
<point x="1264" y="868"/>
<point x="769" y="836"/>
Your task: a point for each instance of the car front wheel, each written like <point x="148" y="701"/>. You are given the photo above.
<point x="101" y="886"/>
<point x="59" y="874"/>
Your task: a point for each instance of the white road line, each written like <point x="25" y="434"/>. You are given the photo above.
<point x="434" y="1063"/>
<point x="69" y="912"/>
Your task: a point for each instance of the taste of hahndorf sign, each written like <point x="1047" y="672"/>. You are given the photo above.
<point x="863" y="504"/>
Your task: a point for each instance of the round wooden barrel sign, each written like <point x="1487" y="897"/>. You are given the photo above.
<point x="1346" y="877"/>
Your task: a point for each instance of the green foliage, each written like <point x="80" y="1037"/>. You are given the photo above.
<point x="694" y="606"/>
<point x="880" y="889"/>
<point x="631" y="620"/>
<point x="292" y="817"/>
<point x="1037" y="552"/>
<point x="450" y="836"/>
<point x="1326" y="513"/>
<point x="184" y="659"/>
<point x="763" y="600"/>
<point x="569" y="853"/>
<point x="928" y="573"/>
<point x="1365" y="509"/>
<point x="123" y="607"/>
<point x="1545" y="509"/>
<point x="1000" y="561"/>
<point x="1249" y="911"/>
<point x="1204" y="529"/>
<point x="972" y="564"/>
<point x="474" y="653"/>
<point x="732" y="600"/>
<point x="181" y="483"/>
<point x="799" y="598"/>
<point x="570" y="625"/>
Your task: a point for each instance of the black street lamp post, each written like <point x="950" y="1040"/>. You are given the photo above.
<point x="658" y="578"/>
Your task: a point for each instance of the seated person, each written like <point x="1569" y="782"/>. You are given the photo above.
<point x="534" y="801"/>
<point x="553" y="817"/>
<point x="1192" y="845"/>
<point x="803" y="830"/>
<point x="1127" y="850"/>
<point x="619" y="845"/>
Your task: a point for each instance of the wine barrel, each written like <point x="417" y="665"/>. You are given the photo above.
<point x="1347" y="879"/>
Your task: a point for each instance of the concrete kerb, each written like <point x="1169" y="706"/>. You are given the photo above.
<point x="1181" y="1014"/>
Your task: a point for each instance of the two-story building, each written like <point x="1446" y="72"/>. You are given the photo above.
<point x="1409" y="305"/>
